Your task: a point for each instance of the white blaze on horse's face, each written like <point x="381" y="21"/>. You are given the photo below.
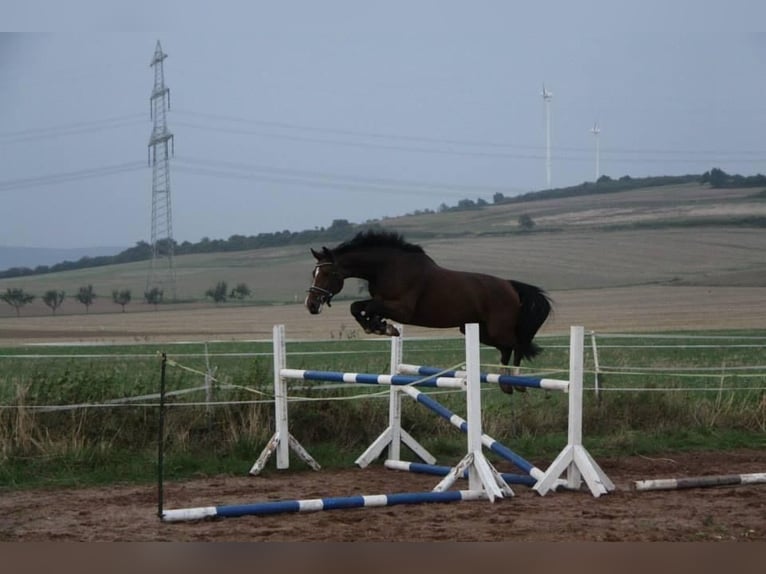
<point x="313" y="301"/>
<point x="326" y="282"/>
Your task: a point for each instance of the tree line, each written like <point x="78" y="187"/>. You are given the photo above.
<point x="142" y="251"/>
<point x="341" y="229"/>
<point x="18" y="298"/>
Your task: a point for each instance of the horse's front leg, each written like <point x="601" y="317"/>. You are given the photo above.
<point x="359" y="311"/>
<point x="378" y="311"/>
<point x="370" y="314"/>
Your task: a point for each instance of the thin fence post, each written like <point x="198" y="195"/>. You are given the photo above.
<point x="208" y="382"/>
<point x="161" y="440"/>
<point x="596" y="366"/>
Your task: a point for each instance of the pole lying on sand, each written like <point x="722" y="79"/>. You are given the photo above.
<point x="701" y="481"/>
<point x="317" y="504"/>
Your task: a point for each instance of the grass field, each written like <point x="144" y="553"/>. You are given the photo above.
<point x="696" y="391"/>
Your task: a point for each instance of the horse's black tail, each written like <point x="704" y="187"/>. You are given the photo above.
<point x="535" y="308"/>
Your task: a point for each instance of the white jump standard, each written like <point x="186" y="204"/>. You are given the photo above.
<point x="574" y="459"/>
<point x="480" y="472"/>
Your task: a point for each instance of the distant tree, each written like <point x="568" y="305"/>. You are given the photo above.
<point x="54" y="299"/>
<point x="498" y="198"/>
<point x="153" y="296"/>
<point x="718" y="177"/>
<point x="241" y="291"/>
<point x="526" y="222"/>
<point x="121" y="297"/>
<point x="219" y="293"/>
<point x="340" y="225"/>
<point x="17" y="298"/>
<point x="86" y="296"/>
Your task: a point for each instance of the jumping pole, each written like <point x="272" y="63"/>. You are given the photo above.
<point x="701" y="481"/>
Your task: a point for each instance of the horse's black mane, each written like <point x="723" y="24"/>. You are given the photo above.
<point x="376" y="238"/>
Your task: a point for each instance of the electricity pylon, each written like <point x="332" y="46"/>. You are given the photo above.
<point x="161" y="146"/>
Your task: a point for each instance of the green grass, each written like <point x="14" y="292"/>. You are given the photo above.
<point x="682" y="407"/>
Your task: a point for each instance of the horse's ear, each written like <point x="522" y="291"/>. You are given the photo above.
<point x="327" y="254"/>
<point x="316" y="254"/>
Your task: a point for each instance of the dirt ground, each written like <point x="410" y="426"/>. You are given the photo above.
<point x="129" y="513"/>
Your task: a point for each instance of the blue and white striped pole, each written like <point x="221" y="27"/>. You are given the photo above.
<point x="441" y="470"/>
<point x="373" y="379"/>
<point x="533" y="382"/>
<point x="459" y="422"/>
<point x="317" y="504"/>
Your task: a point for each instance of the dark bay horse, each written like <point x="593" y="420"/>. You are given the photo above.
<point x="409" y="287"/>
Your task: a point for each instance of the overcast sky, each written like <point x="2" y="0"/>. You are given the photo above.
<point x="288" y="115"/>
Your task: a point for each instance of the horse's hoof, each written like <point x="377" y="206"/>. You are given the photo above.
<point x="392" y="331"/>
<point x="508" y="388"/>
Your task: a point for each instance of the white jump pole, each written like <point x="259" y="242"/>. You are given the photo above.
<point x="575" y="459"/>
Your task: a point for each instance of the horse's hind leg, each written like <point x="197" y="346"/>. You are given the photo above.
<point x="505" y="358"/>
<point x="505" y="355"/>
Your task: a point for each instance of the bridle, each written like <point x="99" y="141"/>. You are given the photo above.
<point x="325" y="295"/>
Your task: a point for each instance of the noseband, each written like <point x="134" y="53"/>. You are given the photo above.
<point x="325" y="296"/>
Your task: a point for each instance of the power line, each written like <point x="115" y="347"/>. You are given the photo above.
<point x="581" y="154"/>
<point x="66" y="177"/>
<point x="72" y="129"/>
<point x="353" y="144"/>
<point x="425" y="139"/>
<point x="334" y="185"/>
<point x="324" y="179"/>
<point x="354" y="133"/>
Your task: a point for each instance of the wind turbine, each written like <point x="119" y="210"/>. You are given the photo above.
<point x="547" y="96"/>
<point x="595" y="130"/>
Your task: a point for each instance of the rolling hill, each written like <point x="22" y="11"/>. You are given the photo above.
<point x="678" y="235"/>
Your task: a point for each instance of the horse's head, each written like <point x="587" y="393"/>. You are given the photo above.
<point x="327" y="281"/>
